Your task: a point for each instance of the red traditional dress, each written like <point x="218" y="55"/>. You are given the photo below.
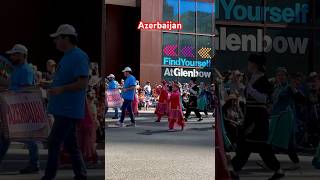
<point x="175" y="114"/>
<point x="135" y="104"/>
<point x="162" y="106"/>
<point x="86" y="130"/>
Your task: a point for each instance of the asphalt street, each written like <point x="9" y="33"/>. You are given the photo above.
<point x="149" y="152"/>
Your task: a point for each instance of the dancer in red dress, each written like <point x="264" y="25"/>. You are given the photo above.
<point x="175" y="114"/>
<point x="162" y="106"/>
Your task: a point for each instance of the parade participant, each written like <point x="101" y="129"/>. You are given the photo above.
<point x="67" y="95"/>
<point x="316" y="158"/>
<point x="51" y="69"/>
<point x="221" y="166"/>
<point x="47" y="78"/>
<point x="282" y="119"/>
<point x="202" y="101"/>
<point x="162" y="106"/>
<point x="312" y="123"/>
<point x="113" y="85"/>
<point x="175" y="114"/>
<point x="192" y="105"/>
<point x="254" y="132"/>
<point x="147" y="89"/>
<point x="121" y="84"/>
<point x="237" y="87"/>
<point x="232" y="117"/>
<point x="86" y="134"/>
<point x="87" y="130"/>
<point x="148" y="94"/>
<point x="135" y="102"/>
<point x="22" y="76"/>
<point x="128" y="93"/>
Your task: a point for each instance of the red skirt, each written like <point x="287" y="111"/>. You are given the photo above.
<point x="175" y="114"/>
<point x="161" y="109"/>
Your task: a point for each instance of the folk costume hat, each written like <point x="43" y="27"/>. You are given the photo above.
<point x="282" y="69"/>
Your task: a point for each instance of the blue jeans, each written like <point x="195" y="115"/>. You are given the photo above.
<point x="64" y="132"/>
<point x="33" y="153"/>
<point x="127" y="105"/>
<point x="116" y="112"/>
<point x="4" y="146"/>
<point x="31" y="145"/>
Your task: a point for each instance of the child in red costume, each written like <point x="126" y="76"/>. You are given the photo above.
<point x="175" y="114"/>
<point x="162" y="106"/>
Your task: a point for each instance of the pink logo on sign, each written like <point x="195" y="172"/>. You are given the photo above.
<point x="170" y="50"/>
<point x="187" y="51"/>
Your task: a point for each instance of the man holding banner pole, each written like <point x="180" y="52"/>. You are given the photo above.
<point x="67" y="95"/>
<point x="113" y="85"/>
<point x="21" y="77"/>
<point x="128" y="92"/>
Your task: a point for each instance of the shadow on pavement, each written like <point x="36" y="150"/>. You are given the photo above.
<point x="148" y="132"/>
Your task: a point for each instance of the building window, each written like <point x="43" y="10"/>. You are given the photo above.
<point x="170" y="10"/>
<point x="204" y="47"/>
<point x="187" y="46"/>
<point x="188" y="15"/>
<point x="182" y="50"/>
<point x="204" y="17"/>
<point x="170" y="44"/>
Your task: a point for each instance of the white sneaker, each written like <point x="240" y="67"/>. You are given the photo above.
<point x="119" y="124"/>
<point x="171" y="130"/>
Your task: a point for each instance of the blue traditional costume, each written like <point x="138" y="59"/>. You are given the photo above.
<point x="282" y="120"/>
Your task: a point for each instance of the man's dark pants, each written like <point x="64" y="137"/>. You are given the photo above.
<point x="127" y="105"/>
<point x="64" y="132"/>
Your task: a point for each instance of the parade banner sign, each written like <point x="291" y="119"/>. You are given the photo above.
<point x="25" y="115"/>
<point x="113" y="98"/>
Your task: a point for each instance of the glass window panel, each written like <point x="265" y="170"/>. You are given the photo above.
<point x="204" y="17"/>
<point x="188" y="15"/>
<point x="204" y="47"/>
<point x="170" y="10"/>
<point x="187" y="46"/>
<point x="170" y="44"/>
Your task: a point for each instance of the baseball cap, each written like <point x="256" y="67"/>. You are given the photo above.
<point x="127" y="69"/>
<point x="18" y="48"/>
<point x="111" y="76"/>
<point x="313" y="74"/>
<point x="65" y="29"/>
<point x="282" y="69"/>
<point x="237" y="72"/>
<point x="50" y="61"/>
